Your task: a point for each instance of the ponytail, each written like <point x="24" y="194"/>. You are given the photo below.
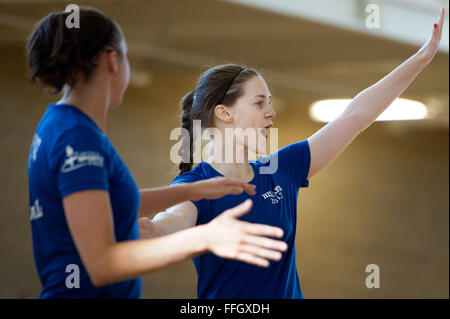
<point x="53" y="53"/>
<point x="186" y="123"/>
<point x="57" y="54"/>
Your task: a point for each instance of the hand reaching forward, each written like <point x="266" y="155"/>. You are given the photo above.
<point x="220" y="186"/>
<point x="429" y="49"/>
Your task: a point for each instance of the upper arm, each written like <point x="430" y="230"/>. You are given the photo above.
<point x="329" y="142"/>
<point x="177" y="217"/>
<point x="90" y="222"/>
<point x="80" y="164"/>
<point x="183" y="215"/>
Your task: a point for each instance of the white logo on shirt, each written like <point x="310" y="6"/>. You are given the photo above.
<point x="36" y="210"/>
<point x="34" y="148"/>
<point x="275" y="196"/>
<point x="76" y="160"/>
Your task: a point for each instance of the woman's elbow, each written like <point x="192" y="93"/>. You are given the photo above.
<point x="98" y="279"/>
<point x="356" y="120"/>
<point x="98" y="283"/>
<point x="99" y="273"/>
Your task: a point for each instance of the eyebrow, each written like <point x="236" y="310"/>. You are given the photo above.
<point x="262" y="95"/>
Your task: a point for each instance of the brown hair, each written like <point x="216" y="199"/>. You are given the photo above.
<point x="222" y="84"/>
<point x="57" y="54"/>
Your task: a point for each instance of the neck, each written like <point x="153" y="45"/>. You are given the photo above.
<point x="91" y="99"/>
<point x="238" y="168"/>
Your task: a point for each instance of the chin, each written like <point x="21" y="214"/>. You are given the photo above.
<point x="260" y="149"/>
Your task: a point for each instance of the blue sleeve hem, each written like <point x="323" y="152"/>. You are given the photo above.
<point x="307" y="160"/>
<point x="180" y="180"/>
<point x="86" y="186"/>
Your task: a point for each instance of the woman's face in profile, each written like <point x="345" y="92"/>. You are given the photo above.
<point x="253" y="112"/>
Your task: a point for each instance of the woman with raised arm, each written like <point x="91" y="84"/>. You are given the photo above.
<point x="237" y="98"/>
<point x="84" y="201"/>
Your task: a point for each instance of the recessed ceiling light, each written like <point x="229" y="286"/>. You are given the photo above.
<point x="400" y="109"/>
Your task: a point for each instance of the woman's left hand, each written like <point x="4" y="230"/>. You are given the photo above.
<point x="429" y="49"/>
<point x="220" y="186"/>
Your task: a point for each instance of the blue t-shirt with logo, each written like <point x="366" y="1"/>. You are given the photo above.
<point x="277" y="179"/>
<point x="69" y="153"/>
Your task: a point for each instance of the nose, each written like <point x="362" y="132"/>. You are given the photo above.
<point x="271" y="113"/>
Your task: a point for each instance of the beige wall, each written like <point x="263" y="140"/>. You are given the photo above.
<point x="383" y="201"/>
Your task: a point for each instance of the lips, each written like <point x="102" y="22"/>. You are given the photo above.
<point x="264" y="131"/>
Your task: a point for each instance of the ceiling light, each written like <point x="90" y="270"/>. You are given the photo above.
<point x="400" y="109"/>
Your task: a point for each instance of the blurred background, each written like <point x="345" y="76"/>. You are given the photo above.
<point x="384" y="201"/>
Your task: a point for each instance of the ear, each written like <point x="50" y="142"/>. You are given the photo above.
<point x="112" y="59"/>
<point x="223" y="114"/>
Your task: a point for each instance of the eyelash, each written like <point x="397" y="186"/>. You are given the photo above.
<point x="261" y="102"/>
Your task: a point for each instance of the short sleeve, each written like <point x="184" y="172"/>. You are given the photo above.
<point x="78" y="158"/>
<point x="191" y="177"/>
<point x="293" y="161"/>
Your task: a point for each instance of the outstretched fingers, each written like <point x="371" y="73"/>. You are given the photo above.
<point x="265" y="242"/>
<point x="233" y="190"/>
<point x="261" y="252"/>
<point x="438" y="27"/>
<point x="441" y="19"/>
<point x="248" y="188"/>
<point x="239" y="210"/>
<point x="441" y="22"/>
<point x="263" y="230"/>
<point x="252" y="259"/>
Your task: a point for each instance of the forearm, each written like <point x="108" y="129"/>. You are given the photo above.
<point x="168" y="223"/>
<point x="154" y="200"/>
<point x="131" y="259"/>
<point x="370" y="103"/>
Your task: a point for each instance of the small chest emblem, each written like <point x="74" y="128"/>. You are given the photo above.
<point x="275" y="196"/>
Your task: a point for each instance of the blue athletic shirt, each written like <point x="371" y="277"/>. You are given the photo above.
<point x="275" y="203"/>
<point x="69" y="153"/>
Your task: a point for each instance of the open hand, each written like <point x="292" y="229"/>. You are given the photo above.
<point x="429" y="49"/>
<point x="220" y="186"/>
<point x="228" y="237"/>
